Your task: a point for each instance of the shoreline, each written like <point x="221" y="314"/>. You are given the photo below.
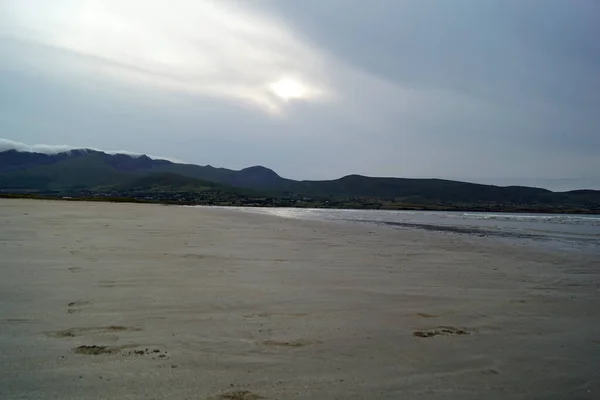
<point x="407" y="207"/>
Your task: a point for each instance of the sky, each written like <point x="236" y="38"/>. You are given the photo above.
<point x="491" y="91"/>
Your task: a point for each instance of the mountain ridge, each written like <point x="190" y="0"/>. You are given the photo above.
<point x="95" y="171"/>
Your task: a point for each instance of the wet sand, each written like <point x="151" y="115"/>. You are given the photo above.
<point x="124" y="301"/>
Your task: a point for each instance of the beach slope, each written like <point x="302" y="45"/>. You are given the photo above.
<point x="129" y="301"/>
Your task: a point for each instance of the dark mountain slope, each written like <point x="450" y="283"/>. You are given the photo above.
<point x="94" y="170"/>
<point x="78" y="170"/>
<point x="13" y="160"/>
<point x="399" y="188"/>
<point x="253" y="177"/>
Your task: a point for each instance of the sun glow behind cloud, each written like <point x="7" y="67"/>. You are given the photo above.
<point x="215" y="48"/>
<point x="290" y="89"/>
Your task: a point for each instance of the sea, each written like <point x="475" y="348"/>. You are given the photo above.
<point x="569" y="232"/>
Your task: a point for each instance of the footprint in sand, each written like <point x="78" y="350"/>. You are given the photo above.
<point x="237" y="395"/>
<point x="425" y="315"/>
<point x="74" y="306"/>
<point x="440" y="330"/>
<point x="75" y="332"/>
<point x="99" y="350"/>
<point x="156" y="354"/>
<point x="291" y="343"/>
<point x="78" y="303"/>
<point x="105" y="334"/>
<point x="95" y="350"/>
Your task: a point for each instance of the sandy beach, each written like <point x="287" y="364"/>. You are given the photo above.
<point x="129" y="301"/>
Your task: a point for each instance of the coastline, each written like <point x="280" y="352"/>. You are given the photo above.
<point x="280" y="308"/>
<point x="399" y="207"/>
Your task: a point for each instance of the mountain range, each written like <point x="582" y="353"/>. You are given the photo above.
<point x="96" y="173"/>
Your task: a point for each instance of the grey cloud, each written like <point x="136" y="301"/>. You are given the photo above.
<point x="487" y="91"/>
<point x="463" y="45"/>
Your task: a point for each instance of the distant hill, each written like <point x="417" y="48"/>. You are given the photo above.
<point x="391" y="188"/>
<point x="91" y="168"/>
<point x="121" y="174"/>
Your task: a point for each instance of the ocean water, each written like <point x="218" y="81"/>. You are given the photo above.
<point x="559" y="231"/>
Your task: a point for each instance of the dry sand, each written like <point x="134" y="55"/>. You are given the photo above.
<point x="120" y="301"/>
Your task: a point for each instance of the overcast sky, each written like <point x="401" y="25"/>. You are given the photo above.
<point x="499" y="91"/>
